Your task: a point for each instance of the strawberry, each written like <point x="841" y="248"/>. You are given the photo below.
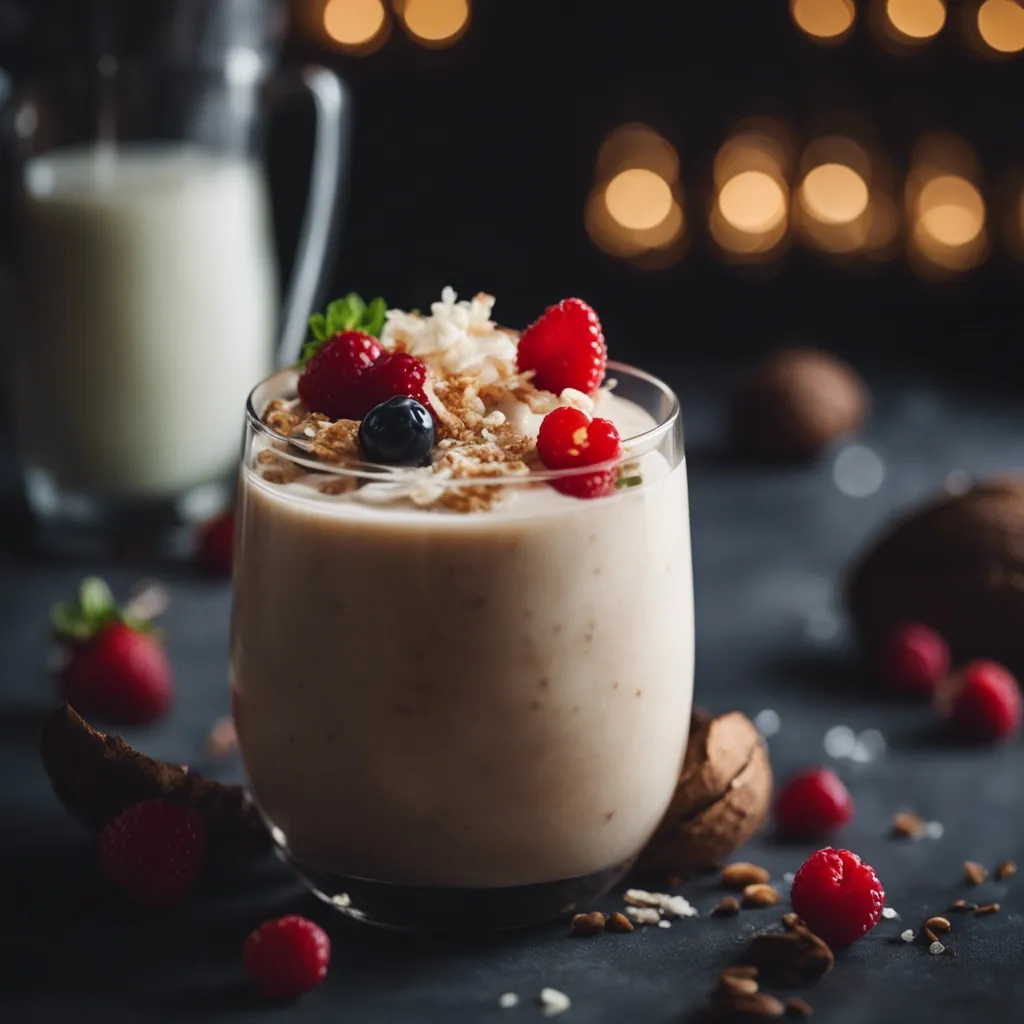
<point x="565" y="348"/>
<point x="152" y="851"/>
<point x="115" y="666"/>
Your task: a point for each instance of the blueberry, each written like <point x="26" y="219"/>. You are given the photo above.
<point x="399" y="432"/>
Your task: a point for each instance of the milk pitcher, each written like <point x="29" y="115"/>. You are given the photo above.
<point x="146" y="295"/>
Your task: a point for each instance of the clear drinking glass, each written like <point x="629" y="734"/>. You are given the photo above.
<point x="146" y="279"/>
<point x="462" y="720"/>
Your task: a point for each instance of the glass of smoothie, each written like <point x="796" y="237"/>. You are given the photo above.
<point x="462" y="688"/>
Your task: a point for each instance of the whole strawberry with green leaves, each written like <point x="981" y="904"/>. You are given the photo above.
<point x="114" y="664"/>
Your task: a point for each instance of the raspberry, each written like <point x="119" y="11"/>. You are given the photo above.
<point x="986" y="704"/>
<point x="838" y="896"/>
<point x="286" y="957"/>
<point x="567" y="439"/>
<point x="332" y="380"/>
<point x="813" y="802"/>
<point x="152" y="851"/>
<point x="393" y="375"/>
<point x="915" y="659"/>
<point x="565" y="347"/>
<point x="216" y="539"/>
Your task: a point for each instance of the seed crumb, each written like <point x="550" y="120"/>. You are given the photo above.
<point x="674" y="906"/>
<point x="936" y="948"/>
<point x="889" y="914"/>
<point x="792" y="922"/>
<point x="587" y="924"/>
<point x="726" y="907"/>
<point x="221" y="741"/>
<point x="908" y="935"/>
<point x="760" y="896"/>
<point x="554" y="1002"/>
<point x="799" y="1007"/>
<point x="619" y="923"/>
<point x="974" y="873"/>
<point x="1005" y="870"/>
<point x="907" y="825"/>
<point x="664" y="924"/>
<point x="962" y="907"/>
<point x="988" y="908"/>
<point x="644" y="915"/>
<point x="736" y="984"/>
<point x="508" y="1000"/>
<point x="741" y="874"/>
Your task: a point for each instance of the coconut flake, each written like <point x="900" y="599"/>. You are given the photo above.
<point x="508" y="1000"/>
<point x="554" y="1002"/>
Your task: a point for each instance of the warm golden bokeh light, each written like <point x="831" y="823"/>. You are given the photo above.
<point x="615" y="238"/>
<point x="1001" y="25"/>
<point x="824" y="20"/>
<point x="916" y="19"/>
<point x="638" y="199"/>
<point x="950" y="211"/>
<point x="637" y="145"/>
<point x="435" y="22"/>
<point x="354" y="23"/>
<point x="752" y="202"/>
<point x="834" y="194"/>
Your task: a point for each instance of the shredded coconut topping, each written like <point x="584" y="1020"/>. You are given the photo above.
<point x="673" y="906"/>
<point x="554" y="1002"/>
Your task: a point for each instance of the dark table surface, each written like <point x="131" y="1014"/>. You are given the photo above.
<point x="769" y="546"/>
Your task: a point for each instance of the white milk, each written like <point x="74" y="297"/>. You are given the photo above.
<point x="150" y="302"/>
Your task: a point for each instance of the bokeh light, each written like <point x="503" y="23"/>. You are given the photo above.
<point x="915" y="20"/>
<point x="357" y="26"/>
<point x="748" y="217"/>
<point x="638" y="198"/>
<point x="834" y="193"/>
<point x="635" y="209"/>
<point x="825" y="21"/>
<point x="435" y="23"/>
<point x="1001" y="25"/>
<point x="950" y="210"/>
<point x="752" y="202"/>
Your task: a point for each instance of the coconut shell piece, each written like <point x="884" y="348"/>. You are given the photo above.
<point x="722" y="798"/>
<point x="96" y="776"/>
<point x="955" y="564"/>
<point x="795" y="403"/>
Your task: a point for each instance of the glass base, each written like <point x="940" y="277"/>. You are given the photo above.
<point x="72" y="524"/>
<point x="429" y="909"/>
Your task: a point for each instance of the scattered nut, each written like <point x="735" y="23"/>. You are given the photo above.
<point x="727" y="906"/>
<point x="907" y="825"/>
<point x="791" y="958"/>
<point x="974" y="873"/>
<point x="799" y="1007"/>
<point x="936" y="948"/>
<point x="962" y="907"/>
<point x="938" y="924"/>
<point x="738" y="986"/>
<point x="988" y="908"/>
<point x="1005" y="870"/>
<point x="793" y="922"/>
<point x="740" y="971"/>
<point x="619" y="923"/>
<point x="741" y="874"/>
<point x="222" y="740"/>
<point x="587" y="924"/>
<point x="760" y="896"/>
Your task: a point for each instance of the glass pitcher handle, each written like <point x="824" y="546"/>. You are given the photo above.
<point x="321" y="221"/>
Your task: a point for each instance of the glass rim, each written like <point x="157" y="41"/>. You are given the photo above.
<point x="633" y="447"/>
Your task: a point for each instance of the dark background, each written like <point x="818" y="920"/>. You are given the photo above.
<point x="471" y="166"/>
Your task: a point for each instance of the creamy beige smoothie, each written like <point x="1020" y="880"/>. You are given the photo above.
<point x="438" y="699"/>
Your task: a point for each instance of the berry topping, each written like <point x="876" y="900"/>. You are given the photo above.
<point x="812" y="803"/>
<point x="915" y="659"/>
<point x="985" y="704"/>
<point x="216" y="539"/>
<point x="152" y="851"/>
<point x="398" y="432"/>
<point x="115" y="666"/>
<point x="394" y="374"/>
<point x="565" y="348"/>
<point x="286" y="957"/>
<point x="567" y="439"/>
<point x="333" y="380"/>
<point x="838" y="896"/>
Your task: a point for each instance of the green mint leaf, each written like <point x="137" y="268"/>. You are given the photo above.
<point x="66" y="621"/>
<point x="318" y="326"/>
<point x="629" y="481"/>
<point x="345" y="314"/>
<point x="372" y="321"/>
